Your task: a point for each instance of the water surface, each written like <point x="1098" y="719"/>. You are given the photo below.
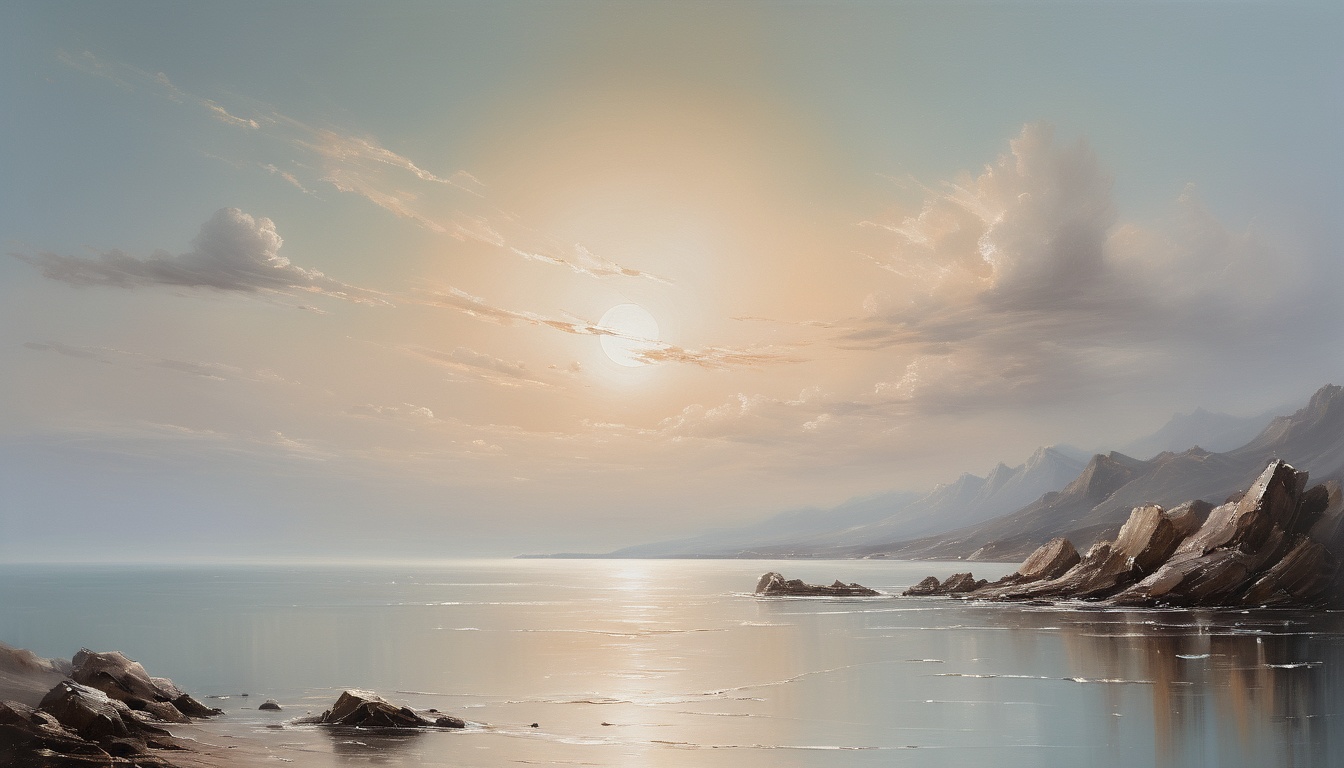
<point x="673" y="663"/>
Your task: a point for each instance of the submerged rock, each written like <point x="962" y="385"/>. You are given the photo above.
<point x="363" y="709"/>
<point x="775" y="585"/>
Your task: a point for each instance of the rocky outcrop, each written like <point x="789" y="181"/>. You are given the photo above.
<point x="956" y="584"/>
<point x="1279" y="543"/>
<point x="361" y="709"/>
<point x="108" y="712"/>
<point x="775" y="585"/>
<point x="127" y="681"/>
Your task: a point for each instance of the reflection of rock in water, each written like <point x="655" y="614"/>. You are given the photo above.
<point x="1226" y="688"/>
<point x="360" y="746"/>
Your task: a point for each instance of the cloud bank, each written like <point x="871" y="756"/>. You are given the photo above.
<point x="1020" y="286"/>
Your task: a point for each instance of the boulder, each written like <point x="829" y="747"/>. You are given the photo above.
<point x="1147" y="538"/>
<point x="126" y="681"/>
<point x="956" y="584"/>
<point x="1052" y="560"/>
<point x="929" y="586"/>
<point x="31" y="737"/>
<point x="1300" y="577"/>
<point x="271" y="705"/>
<point x="775" y="585"/>
<point x="363" y="709"/>
<point x="111" y="725"/>
<point x="1188" y="517"/>
<point x="1101" y="572"/>
<point x="959" y="584"/>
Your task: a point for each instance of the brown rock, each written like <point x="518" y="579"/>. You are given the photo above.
<point x="1188" y="517"/>
<point x="1052" y="560"/>
<point x="31" y="737"/>
<point x="929" y="586"/>
<point x="958" y="584"/>
<point x="1300" y="577"/>
<point x="775" y="585"/>
<point x="1147" y="538"/>
<point x="1101" y="572"/>
<point x="369" y="710"/>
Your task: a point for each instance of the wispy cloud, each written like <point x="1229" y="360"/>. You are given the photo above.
<point x="653" y="351"/>
<point x="232" y="252"/>
<point x="479" y="366"/>
<point x="363" y="166"/>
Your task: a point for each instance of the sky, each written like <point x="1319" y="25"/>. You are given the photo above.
<point x="329" y="279"/>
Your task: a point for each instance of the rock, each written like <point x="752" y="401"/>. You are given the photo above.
<point x="929" y="586"/>
<point x="1052" y="560"/>
<point x="956" y="584"/>
<point x="775" y="585"/>
<point x="1148" y="538"/>
<point x="369" y="710"/>
<point x="1239" y="539"/>
<point x="1300" y="577"/>
<point x="126" y="681"/>
<point x="1278" y="543"/>
<point x="1188" y="517"/>
<point x="270" y="704"/>
<point x="31" y="737"/>
<point x="1105" y="569"/>
<point x="24" y="660"/>
<point x="89" y="712"/>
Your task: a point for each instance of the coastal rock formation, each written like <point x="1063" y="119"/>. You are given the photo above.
<point x="369" y="710"/>
<point x="1280" y="543"/>
<point x="107" y="713"/>
<point x="128" y="682"/>
<point x="775" y="585"/>
<point x="956" y="584"/>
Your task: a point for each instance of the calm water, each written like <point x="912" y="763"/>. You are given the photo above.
<point x="673" y="663"/>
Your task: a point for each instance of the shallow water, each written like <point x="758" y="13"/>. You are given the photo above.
<point x="673" y="663"/>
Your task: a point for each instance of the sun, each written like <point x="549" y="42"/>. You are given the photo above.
<point x="634" y="332"/>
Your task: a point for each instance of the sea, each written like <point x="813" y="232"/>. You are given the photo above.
<point x="676" y="663"/>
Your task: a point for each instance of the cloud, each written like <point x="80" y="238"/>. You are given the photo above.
<point x="362" y="166"/>
<point x="585" y="262"/>
<point x="655" y="352"/>
<point x="1021" y="286"/>
<point x="479" y="366"/>
<point x="406" y="412"/>
<point x="232" y="252"/>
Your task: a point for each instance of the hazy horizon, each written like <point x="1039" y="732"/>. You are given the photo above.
<point x="329" y="281"/>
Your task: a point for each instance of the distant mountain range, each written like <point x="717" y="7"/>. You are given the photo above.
<point x="1011" y="511"/>
<point x="1215" y="432"/>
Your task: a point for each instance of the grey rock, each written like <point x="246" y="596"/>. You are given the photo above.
<point x="270" y="705"/>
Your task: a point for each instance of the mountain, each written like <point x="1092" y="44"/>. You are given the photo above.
<point x="1210" y="431"/>
<point x="967" y="500"/>
<point x="779" y="530"/>
<point x="1095" y="504"/>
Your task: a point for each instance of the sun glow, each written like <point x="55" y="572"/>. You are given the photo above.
<point x="634" y="332"/>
